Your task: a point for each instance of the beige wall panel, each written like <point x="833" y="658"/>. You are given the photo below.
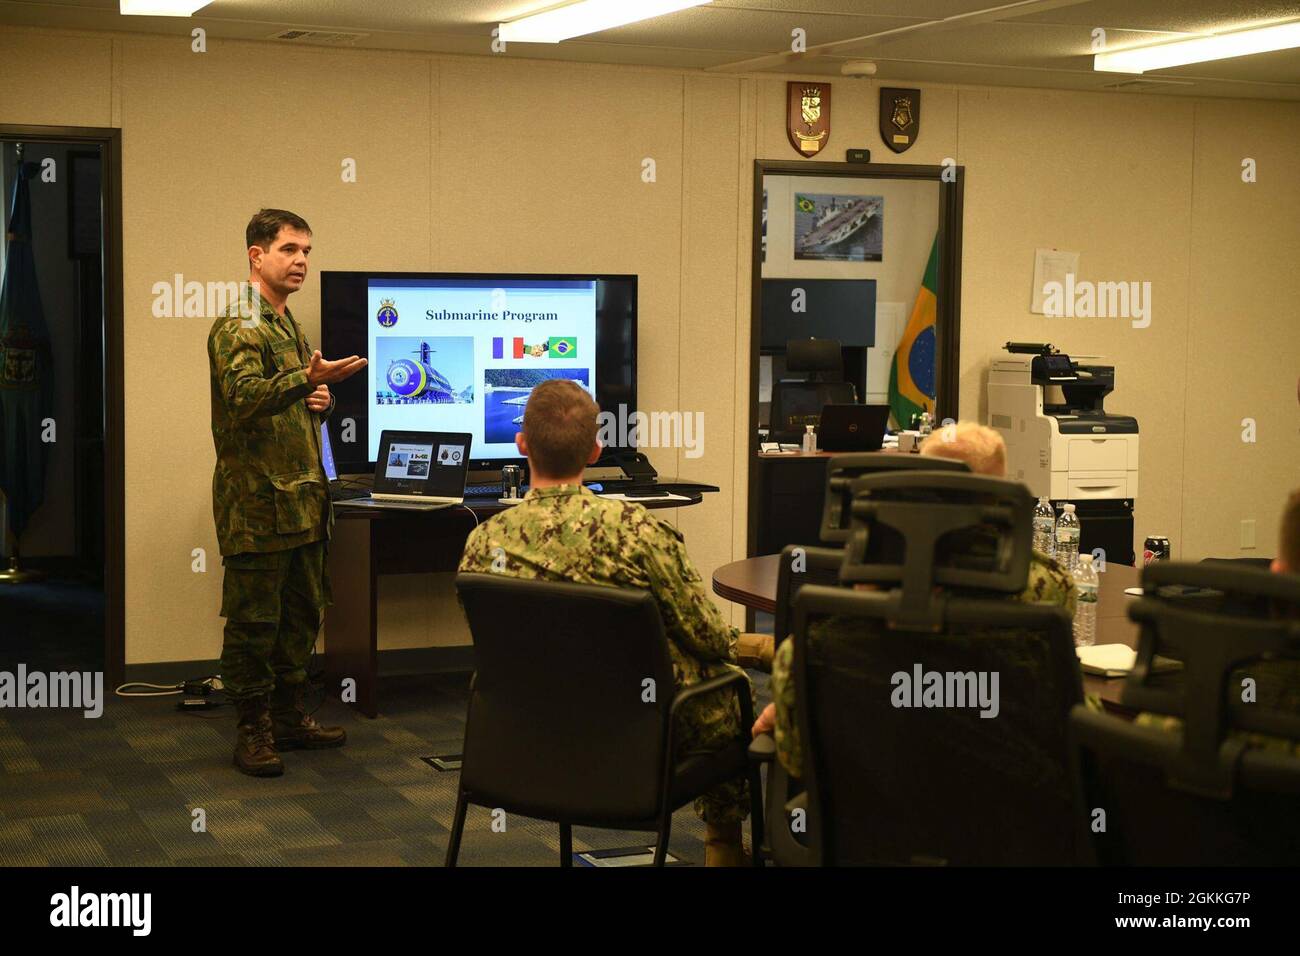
<point x="709" y="314"/>
<point x="232" y="133"/>
<point x="540" y="171"/>
<point x="1109" y="177"/>
<point x="1244" y="336"/>
<point x="51" y="78"/>
<point x="743" y="443"/>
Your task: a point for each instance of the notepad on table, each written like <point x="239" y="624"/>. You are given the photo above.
<point x="1106" y="660"/>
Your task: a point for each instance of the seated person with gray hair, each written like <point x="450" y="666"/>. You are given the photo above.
<point x="984" y="451"/>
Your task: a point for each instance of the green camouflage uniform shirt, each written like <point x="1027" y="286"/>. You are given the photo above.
<point x="567" y="533"/>
<point x="269" y="490"/>
<point x="1048" y="584"/>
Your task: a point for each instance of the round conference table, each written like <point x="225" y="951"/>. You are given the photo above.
<point x="751" y="583"/>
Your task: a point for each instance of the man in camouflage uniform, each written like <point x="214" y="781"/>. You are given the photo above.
<point x="564" y="532"/>
<point x="270" y="497"/>
<point x="1048" y="583"/>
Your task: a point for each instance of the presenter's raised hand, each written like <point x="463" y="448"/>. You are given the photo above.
<point x="321" y="372"/>
<point x="319" y="400"/>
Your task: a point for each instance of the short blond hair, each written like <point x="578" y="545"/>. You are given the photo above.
<point x="979" y="446"/>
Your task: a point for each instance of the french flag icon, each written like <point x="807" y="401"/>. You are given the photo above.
<point x="499" y="345"/>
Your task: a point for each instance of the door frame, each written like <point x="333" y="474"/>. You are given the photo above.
<point x="109" y="140"/>
<point x="951" y="180"/>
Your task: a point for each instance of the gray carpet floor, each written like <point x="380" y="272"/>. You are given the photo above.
<point x="122" y="790"/>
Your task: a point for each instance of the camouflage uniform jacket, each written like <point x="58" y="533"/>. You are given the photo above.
<point x="1048" y="584"/>
<point x="567" y="533"/>
<point x="269" y="490"/>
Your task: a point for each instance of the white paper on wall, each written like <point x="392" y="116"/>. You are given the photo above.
<point x="1051" y="265"/>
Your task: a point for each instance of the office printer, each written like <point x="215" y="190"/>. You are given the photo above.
<point x="1062" y="443"/>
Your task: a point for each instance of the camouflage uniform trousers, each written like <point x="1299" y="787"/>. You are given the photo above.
<point x="705" y="725"/>
<point x="273" y="604"/>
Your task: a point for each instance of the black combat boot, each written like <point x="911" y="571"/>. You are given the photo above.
<point x="254" y="747"/>
<point x="295" y="729"/>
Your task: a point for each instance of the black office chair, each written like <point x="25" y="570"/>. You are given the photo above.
<point x="1243" y="562"/>
<point x="895" y="785"/>
<point x="558" y="728"/>
<point x="1203" y="794"/>
<point x="784" y="795"/>
<point x="843" y="470"/>
<point x="797" y="403"/>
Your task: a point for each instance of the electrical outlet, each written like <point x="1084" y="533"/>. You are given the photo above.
<point x="1247" y="533"/>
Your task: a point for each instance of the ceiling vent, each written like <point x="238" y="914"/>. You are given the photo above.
<point x="317" y="36"/>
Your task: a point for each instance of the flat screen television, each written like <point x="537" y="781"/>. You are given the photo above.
<point x="459" y="352"/>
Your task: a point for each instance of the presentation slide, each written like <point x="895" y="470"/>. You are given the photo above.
<point x="408" y="461"/>
<point x="462" y="355"/>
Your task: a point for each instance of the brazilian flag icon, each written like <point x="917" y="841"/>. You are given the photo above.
<point x="805" y="204"/>
<point x="565" y="347"/>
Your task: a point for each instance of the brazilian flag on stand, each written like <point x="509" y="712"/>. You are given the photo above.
<point x="26" y="366"/>
<point x="911" y="377"/>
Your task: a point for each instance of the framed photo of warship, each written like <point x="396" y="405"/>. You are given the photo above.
<point x="839" y="228"/>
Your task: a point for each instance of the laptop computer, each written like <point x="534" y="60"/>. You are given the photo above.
<point x="418" y="471"/>
<point x="852" y="427"/>
<point x="339" y="490"/>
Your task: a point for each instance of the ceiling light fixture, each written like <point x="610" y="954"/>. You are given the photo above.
<point x="160" y="8"/>
<point x="587" y="16"/>
<point x="1283" y="36"/>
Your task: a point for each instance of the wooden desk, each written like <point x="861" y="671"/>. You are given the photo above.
<point x="752" y="584"/>
<point x="369" y="542"/>
<point x="789" y="489"/>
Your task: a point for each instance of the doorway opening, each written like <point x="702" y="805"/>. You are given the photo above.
<point x="61" y="583"/>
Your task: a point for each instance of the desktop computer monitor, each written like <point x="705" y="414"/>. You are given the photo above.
<point x="460" y="352"/>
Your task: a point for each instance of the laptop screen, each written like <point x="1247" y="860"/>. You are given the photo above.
<point x="327" y="453"/>
<point x="429" y="464"/>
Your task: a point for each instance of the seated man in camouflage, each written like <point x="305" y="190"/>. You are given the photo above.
<point x="564" y="532"/>
<point x="985" y="452"/>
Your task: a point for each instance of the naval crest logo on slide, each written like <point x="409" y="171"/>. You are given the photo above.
<point x="387" y="314"/>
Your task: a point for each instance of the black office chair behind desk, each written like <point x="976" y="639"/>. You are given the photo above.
<point x="909" y="785"/>
<point x="558" y="726"/>
<point x="1200" y="795"/>
<point x="796" y="403"/>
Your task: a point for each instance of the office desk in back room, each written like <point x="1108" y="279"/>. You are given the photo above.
<point x="367" y="543"/>
<point x="789" y="495"/>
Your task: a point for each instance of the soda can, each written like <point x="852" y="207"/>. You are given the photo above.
<point x="512" y="477"/>
<point x="1155" y="548"/>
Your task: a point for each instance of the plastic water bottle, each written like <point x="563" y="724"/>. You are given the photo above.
<point x="1044" y="527"/>
<point x="1067" y="539"/>
<point x="1085" y="615"/>
<point x="809" y="439"/>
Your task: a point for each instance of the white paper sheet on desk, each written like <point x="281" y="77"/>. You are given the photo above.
<point x="1106" y="660"/>
<point x="665" y="497"/>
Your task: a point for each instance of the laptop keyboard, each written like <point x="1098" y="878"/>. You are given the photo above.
<point x="347" y="492"/>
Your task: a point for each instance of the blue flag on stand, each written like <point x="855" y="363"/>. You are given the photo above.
<point x="26" y="365"/>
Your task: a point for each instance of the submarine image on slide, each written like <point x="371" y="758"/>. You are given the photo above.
<point x="417" y="381"/>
